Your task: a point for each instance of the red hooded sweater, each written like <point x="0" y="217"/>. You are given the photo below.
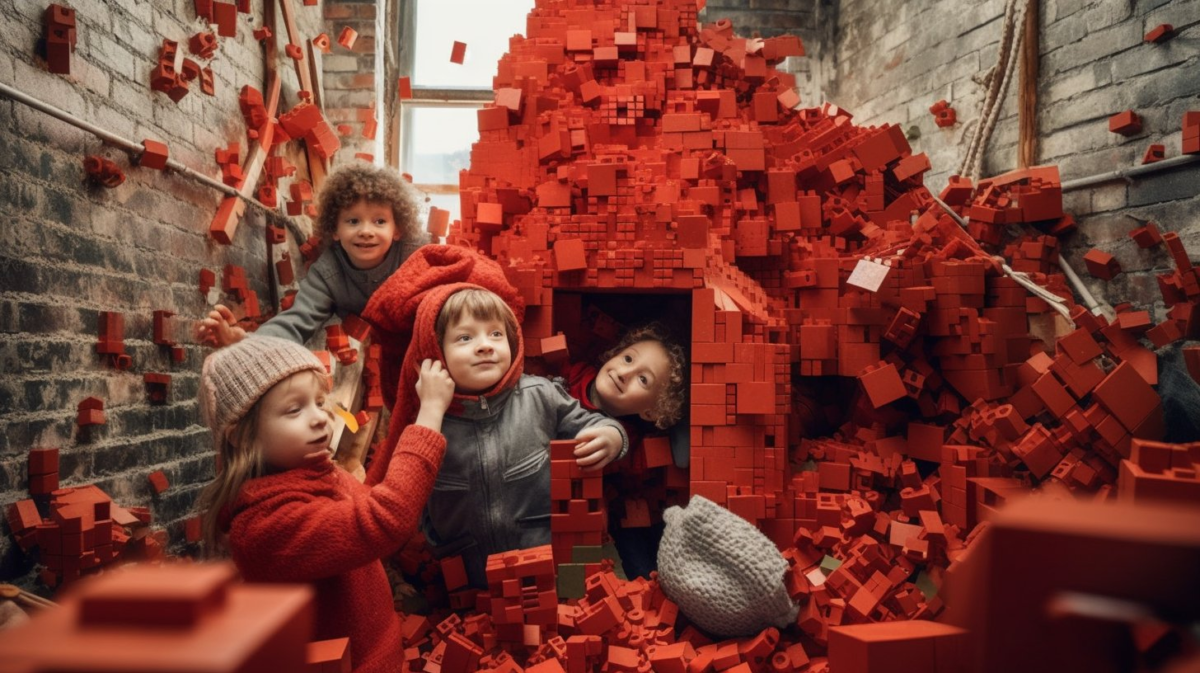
<point x="317" y="524"/>
<point x="406" y="307"/>
<point x="392" y="309"/>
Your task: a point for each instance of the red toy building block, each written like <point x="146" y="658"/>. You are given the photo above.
<point x="1053" y="547"/>
<point x="1154" y="153"/>
<point x="348" y="37"/>
<point x="112" y="340"/>
<point x="1126" y="123"/>
<point x="569" y="255"/>
<point x="43" y="461"/>
<point x="158" y="386"/>
<point x="23" y="517"/>
<point x="158" y="481"/>
<point x="208" y="279"/>
<point x="458" y="53"/>
<point x="168" y="76"/>
<point x="1191" y="132"/>
<point x="322" y="42"/>
<point x="59" y="38"/>
<point x="225" y="16"/>
<point x="882" y="384"/>
<point x="1160" y="33"/>
<point x="154" y="155"/>
<point x="439" y="222"/>
<point x="43" y="471"/>
<point x="162" y="332"/>
<point x="103" y="171"/>
<point x="203" y="44"/>
<point x="943" y="114"/>
<point x="91" y="412"/>
<point x="220" y="625"/>
<point x="880" y="648"/>
<point x="328" y="656"/>
<point x="284" y="272"/>
<point x="1191" y="357"/>
<point x="404" y="88"/>
<point x="1101" y="264"/>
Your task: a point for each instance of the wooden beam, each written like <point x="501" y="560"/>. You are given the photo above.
<point x="317" y="167"/>
<point x="230" y="212"/>
<point x="1027" y="146"/>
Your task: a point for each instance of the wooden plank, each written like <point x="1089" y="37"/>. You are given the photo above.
<point x="230" y="212"/>
<point x="317" y="168"/>
<point x="318" y="84"/>
<point x="351" y="448"/>
<point x="1028" y="101"/>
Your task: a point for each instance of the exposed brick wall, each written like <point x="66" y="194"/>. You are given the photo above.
<point x="351" y="76"/>
<point x="69" y="251"/>
<point x="894" y="60"/>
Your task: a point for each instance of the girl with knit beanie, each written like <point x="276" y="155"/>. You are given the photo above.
<point x="286" y="513"/>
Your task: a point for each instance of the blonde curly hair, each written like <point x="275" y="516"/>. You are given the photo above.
<point x="363" y="182"/>
<point x="668" y="408"/>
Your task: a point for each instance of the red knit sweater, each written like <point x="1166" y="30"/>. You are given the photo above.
<point x="317" y="524"/>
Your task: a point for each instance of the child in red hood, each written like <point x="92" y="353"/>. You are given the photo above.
<point x="492" y="492"/>
<point x="286" y="513"/>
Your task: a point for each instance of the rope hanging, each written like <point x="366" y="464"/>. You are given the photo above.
<point x="996" y="80"/>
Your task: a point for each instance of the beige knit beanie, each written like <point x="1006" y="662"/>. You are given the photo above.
<point x="234" y="377"/>
<point x="722" y="572"/>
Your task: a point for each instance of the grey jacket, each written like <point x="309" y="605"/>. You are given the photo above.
<point x="334" y="285"/>
<point x="492" y="493"/>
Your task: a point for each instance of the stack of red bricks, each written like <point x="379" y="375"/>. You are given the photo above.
<point x="85" y="529"/>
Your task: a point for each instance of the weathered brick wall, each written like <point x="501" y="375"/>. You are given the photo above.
<point x="894" y="60"/>
<point x="351" y="77"/>
<point x="69" y="251"/>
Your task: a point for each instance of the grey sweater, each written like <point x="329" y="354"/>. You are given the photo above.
<point x="492" y="492"/>
<point x="333" y="285"/>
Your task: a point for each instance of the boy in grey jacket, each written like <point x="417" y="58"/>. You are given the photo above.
<point x="368" y="219"/>
<point x="492" y="493"/>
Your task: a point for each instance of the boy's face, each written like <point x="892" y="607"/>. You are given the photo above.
<point x="477" y="353"/>
<point x="293" y="421"/>
<point x="366" y="231"/>
<point x="633" y="379"/>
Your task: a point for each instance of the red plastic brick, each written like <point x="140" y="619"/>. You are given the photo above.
<point x="1101" y="264"/>
<point x="1160" y="33"/>
<point x="158" y="482"/>
<point x="1126" y="123"/>
<point x="154" y="154"/>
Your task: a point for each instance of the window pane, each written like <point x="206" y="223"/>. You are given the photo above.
<point x="438" y="142"/>
<point x="484" y="25"/>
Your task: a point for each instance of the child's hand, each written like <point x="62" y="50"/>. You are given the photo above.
<point x="435" y="388"/>
<point x="220" y="328"/>
<point x="601" y="445"/>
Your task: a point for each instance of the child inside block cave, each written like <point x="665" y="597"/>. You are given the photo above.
<point x="637" y="375"/>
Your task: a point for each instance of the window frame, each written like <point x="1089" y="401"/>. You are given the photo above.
<point x="424" y="96"/>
